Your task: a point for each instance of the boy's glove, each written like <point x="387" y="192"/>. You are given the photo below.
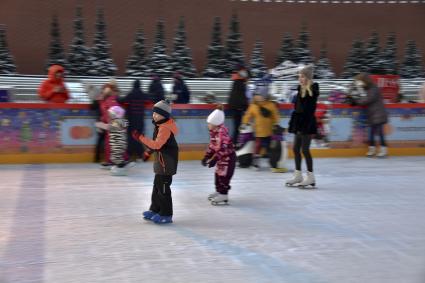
<point x="212" y="162"/>
<point x="136" y="135"/>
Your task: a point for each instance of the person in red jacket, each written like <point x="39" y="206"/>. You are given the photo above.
<point x="53" y="89"/>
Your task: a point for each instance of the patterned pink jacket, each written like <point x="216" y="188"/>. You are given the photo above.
<point x="220" y="148"/>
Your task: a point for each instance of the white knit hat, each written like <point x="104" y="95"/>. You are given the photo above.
<point x="216" y="117"/>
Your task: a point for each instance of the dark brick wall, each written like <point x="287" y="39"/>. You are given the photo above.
<point x="28" y="23"/>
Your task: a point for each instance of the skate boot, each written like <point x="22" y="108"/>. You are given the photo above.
<point x="147" y="215"/>
<point x="130" y="164"/>
<point x="371" y="151"/>
<point x="256" y="163"/>
<point x="308" y="181"/>
<point x="382" y="152"/>
<point x="160" y="219"/>
<point x="297" y="178"/>
<point x="118" y="171"/>
<point x="220" y="199"/>
<point x="213" y="195"/>
<point x="106" y="166"/>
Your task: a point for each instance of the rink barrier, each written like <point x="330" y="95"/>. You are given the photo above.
<point x="63" y="133"/>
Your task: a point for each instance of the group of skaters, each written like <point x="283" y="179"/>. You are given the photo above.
<point x="121" y="122"/>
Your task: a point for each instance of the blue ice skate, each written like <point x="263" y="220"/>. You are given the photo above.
<point x="148" y="215"/>
<point x="159" y="219"/>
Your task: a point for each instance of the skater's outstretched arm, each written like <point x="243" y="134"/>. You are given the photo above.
<point x="163" y="135"/>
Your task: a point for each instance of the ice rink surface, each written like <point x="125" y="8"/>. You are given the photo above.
<point x="63" y="223"/>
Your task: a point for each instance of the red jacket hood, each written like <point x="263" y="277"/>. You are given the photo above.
<point x="53" y="70"/>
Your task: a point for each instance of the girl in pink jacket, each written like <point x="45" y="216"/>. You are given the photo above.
<point x="220" y="154"/>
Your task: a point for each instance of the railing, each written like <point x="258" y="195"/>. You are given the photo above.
<point x="24" y="88"/>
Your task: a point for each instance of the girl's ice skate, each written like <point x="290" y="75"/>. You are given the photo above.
<point x="213" y="195"/>
<point x="117" y="171"/>
<point x="371" y="152"/>
<point x="382" y="152"/>
<point x="308" y="182"/>
<point x="296" y="179"/>
<point x="220" y="199"/>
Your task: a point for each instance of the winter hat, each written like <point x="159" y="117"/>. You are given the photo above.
<point x="216" y="118"/>
<point x="116" y="112"/>
<point x="163" y="108"/>
<point x="307" y="71"/>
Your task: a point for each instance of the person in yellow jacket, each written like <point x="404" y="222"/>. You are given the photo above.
<point x="264" y="113"/>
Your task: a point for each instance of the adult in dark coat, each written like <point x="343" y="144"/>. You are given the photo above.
<point x="156" y="90"/>
<point x="97" y="97"/>
<point x="238" y="102"/>
<point x="368" y="94"/>
<point x="135" y="115"/>
<point x="181" y="90"/>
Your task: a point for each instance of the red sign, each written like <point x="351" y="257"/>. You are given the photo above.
<point x="389" y="86"/>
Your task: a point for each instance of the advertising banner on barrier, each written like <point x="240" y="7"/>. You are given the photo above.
<point x="47" y="128"/>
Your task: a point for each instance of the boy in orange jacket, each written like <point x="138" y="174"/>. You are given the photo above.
<point x="166" y="150"/>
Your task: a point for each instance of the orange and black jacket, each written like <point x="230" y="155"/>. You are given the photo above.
<point x="46" y="90"/>
<point x="165" y="146"/>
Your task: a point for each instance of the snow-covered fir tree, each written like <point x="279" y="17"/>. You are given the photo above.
<point x="323" y="69"/>
<point x="102" y="61"/>
<point x="233" y="52"/>
<point x="79" y="58"/>
<point x="371" y="55"/>
<point x="389" y="55"/>
<point x="412" y="62"/>
<point x="136" y="63"/>
<point x="286" y="52"/>
<point x="302" y="53"/>
<point x="56" y="52"/>
<point x="7" y="64"/>
<point x="257" y="66"/>
<point x="215" y="61"/>
<point x="181" y="57"/>
<point x="159" y="62"/>
<point x="354" y="63"/>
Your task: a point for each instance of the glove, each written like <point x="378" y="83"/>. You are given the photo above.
<point x="204" y="161"/>
<point x="146" y="155"/>
<point x="135" y="134"/>
<point x="212" y="162"/>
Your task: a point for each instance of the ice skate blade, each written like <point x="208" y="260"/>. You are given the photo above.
<point x="119" y="174"/>
<point x="216" y="203"/>
<point x="307" y="187"/>
<point x="291" y="185"/>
